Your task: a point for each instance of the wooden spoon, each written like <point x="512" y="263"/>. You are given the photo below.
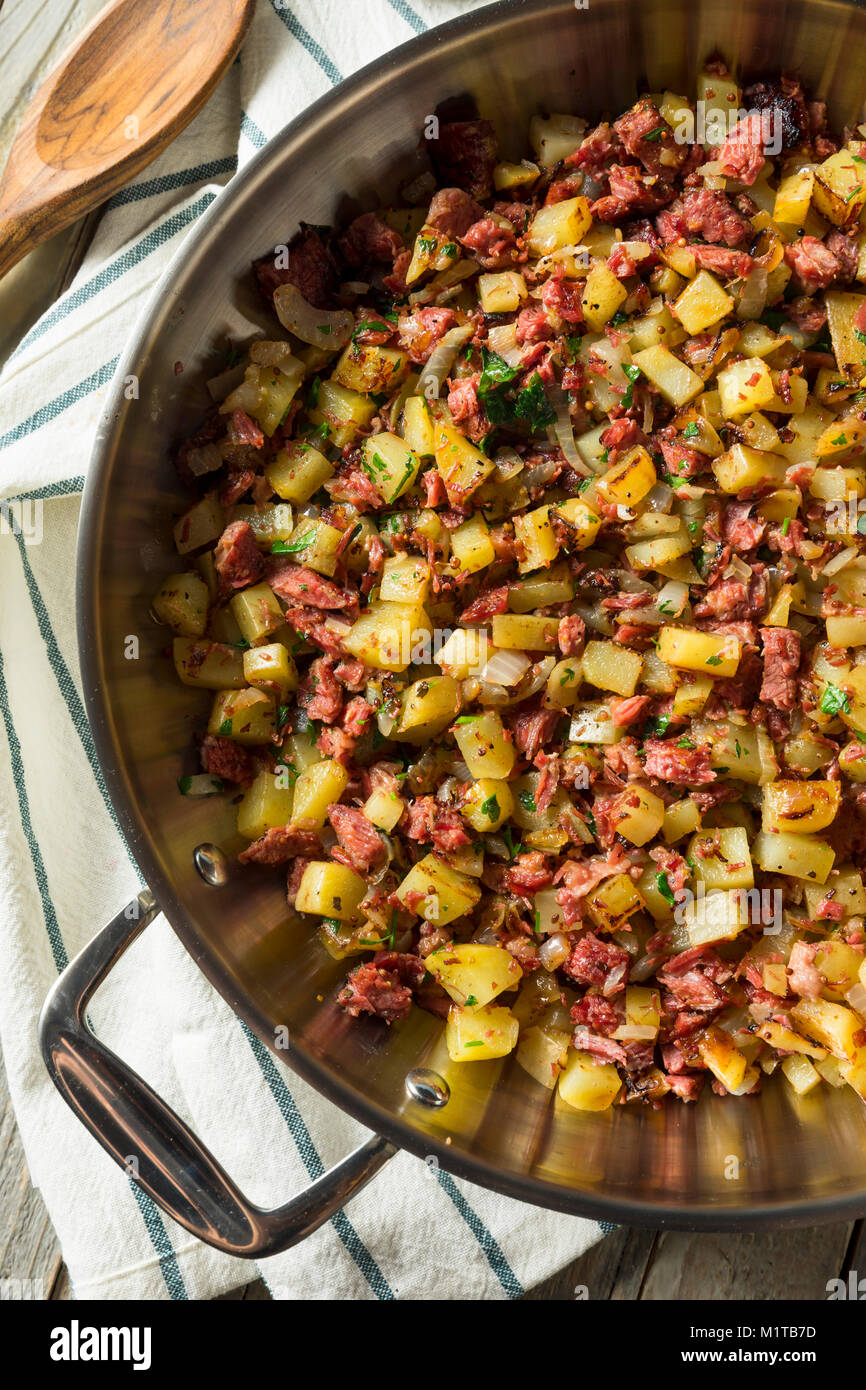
<point x="129" y="84"/>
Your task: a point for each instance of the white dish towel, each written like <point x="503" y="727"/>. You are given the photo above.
<point x="64" y="870"/>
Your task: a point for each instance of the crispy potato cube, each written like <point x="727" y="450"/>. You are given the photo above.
<point x="691" y="696"/>
<point x="722" y="1058"/>
<point x="798" y="856"/>
<point x="558" y="225"/>
<point x="786" y="1040"/>
<point x="344" y="411"/>
<point x="793" y="197"/>
<point x="702" y="303"/>
<point x="266" y="392"/>
<point x="405" y="579"/>
<point x="800" y="1072"/>
<point x="445" y="893"/>
<point x="542" y="1052"/>
<point x="463" y="467"/>
<point x="706" y="652"/>
<point x="317" y="788"/>
<point x="474" y="974"/>
<point x="680" y="819"/>
<point x="480" y="1034"/>
<point x="271" y="665"/>
<point x="534" y="535"/>
<point x="719" y="97"/>
<point x="582" y="517"/>
<point x="484" y="746"/>
<point x="564" y="682"/>
<point x="524" y="632"/>
<point x="744" y="386"/>
<point x="719" y="916"/>
<point x="330" y="890"/>
<point x="267" y="802"/>
<point x="541" y="590"/>
<point x="202" y="524"/>
<point x="418" y="426"/>
<point x="637" y="814"/>
<point x="488" y="804"/>
<point x="800" y="807"/>
<point x="839" y="189"/>
<point x="297" y="471"/>
<point x="629" y="480"/>
<point x="848" y="350"/>
<point x="209" y="665"/>
<point x="383" y="808"/>
<point x="182" y="602"/>
<point x="609" y="666"/>
<point x="612" y="903"/>
<point x="554" y="137"/>
<point x="660" y="551"/>
<point x="586" y="1084"/>
<point x="314" y="544"/>
<point x="830" y="1024"/>
<point x="729" y="865"/>
<point x="602" y="296"/>
<point x="642" y="1015"/>
<point x="676" y="382"/>
<point x="465" y="653"/>
<point x="471" y="545"/>
<point x="427" y="707"/>
<point x="257" y="612"/>
<point x="390" y="464"/>
<point x="839" y="964"/>
<point x="364" y="367"/>
<point x="502" y="293"/>
<point x="247" y="716"/>
<point x="593" y="723"/>
<point x="386" y="635"/>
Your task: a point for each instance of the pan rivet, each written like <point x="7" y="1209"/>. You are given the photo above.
<point x="428" y="1087"/>
<point x="211" y="864"/>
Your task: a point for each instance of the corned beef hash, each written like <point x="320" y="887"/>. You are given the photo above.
<point x="527" y="570"/>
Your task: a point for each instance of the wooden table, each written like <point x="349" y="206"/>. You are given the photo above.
<point x="629" y="1264"/>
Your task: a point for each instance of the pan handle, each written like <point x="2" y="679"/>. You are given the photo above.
<point x="147" y="1138"/>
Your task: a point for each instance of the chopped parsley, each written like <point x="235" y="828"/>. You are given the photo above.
<point x="665" y="889"/>
<point x="692" y="430"/>
<point x="655" y="135"/>
<point x="226" y="727"/>
<point x="632" y="372"/>
<point x="527" y="801"/>
<point x="533" y="406"/>
<point x="714" y="661"/>
<point x="835" y="700"/>
<point x="490" y="807"/>
<point x="292" y="547"/>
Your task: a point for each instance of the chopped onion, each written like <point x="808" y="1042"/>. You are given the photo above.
<point x="839" y="561"/>
<point x="752" y="298"/>
<point x="738" y="569"/>
<point x="385" y="722"/>
<point x="202" y="784"/>
<point x="452" y="275"/>
<point x="490" y="694"/>
<point x="206" y="459"/>
<point x="503" y="341"/>
<point x="672" y="598"/>
<point x="441" y="360"/>
<point x="635" y="1032"/>
<point x="507" y="463"/>
<point x="325" y="328"/>
<point x="506" y="668"/>
<point x="856" y="997"/>
<point x="555" y="951"/>
<point x="311" y="510"/>
<point x="564" y="433"/>
<point x="495" y="845"/>
<point x="268" y="353"/>
<point x="542" y="473"/>
<point x="220" y="386"/>
<point x="660" y="498"/>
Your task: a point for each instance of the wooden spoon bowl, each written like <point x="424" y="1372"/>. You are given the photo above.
<point x="128" y="85"/>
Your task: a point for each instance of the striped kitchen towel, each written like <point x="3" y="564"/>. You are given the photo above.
<point x="64" y="868"/>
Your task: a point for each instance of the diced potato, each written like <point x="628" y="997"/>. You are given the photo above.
<point x="488" y="804"/>
<point x="839" y="964"/>
<point x="383" y="808"/>
<point x="386" y="635"/>
<point x="660" y="551"/>
<point x="297" y="471"/>
<point x="534" y="535"/>
<point x="344" y="411"/>
<point x="524" y="632"/>
<point x="830" y="1024"/>
<point x="637" y="814"/>
<point x="269" y="525"/>
<point x="642" y="1015"/>
<point x="247" y="716"/>
<point x="464" y="654"/>
<point x="427" y="707"/>
<point x="609" y="666"/>
<point x="676" y="382"/>
<point x="849" y="351"/>
<point x="719" y="96"/>
<point x="744" y="386"/>
<point x="658" y="325"/>
<point x="314" y="544"/>
<point x="502" y="293"/>
<point x="484" y="746"/>
<point x="844" y="434"/>
<point x="474" y="974"/>
<point x="788" y="1041"/>
<point x="719" y="1055"/>
<point x="202" y="524"/>
<point x="463" y="467"/>
<point x="330" y="890"/>
<point x="506" y="175"/>
<point x="680" y="819"/>
<point x="798" y="856"/>
<point x="706" y="652"/>
<point x="555" y="137"/>
<point x="852" y="761"/>
<point x="445" y="892"/>
<point x="257" y="612"/>
<point x="800" y="807"/>
<point x="593" y="723"/>
<point x="602" y="296"/>
<point x="479" y="1035"/>
<point x="830" y="1069"/>
<point x="564" y="682"/>
<point x="729" y="865"/>
<point x="702" y="303"/>
<point x="558" y="225"/>
<point x="390" y="464"/>
<point x="586" y="1084"/>
<point x="209" y="665"/>
<point x="471" y="545"/>
<point x="612" y="903"/>
<point x="793" y="197"/>
<point x="267" y="802"/>
<point x="719" y="916"/>
<point x="542" y="1052"/>
<point x="405" y="579"/>
<point x="317" y="788"/>
<point x="691" y="696"/>
<point x="802" y="1075"/>
<point x="629" y="480"/>
<point x="541" y="590"/>
<point x="267" y="392"/>
<point x="418" y="426"/>
<point x="839" y="189"/>
<point x="365" y="367"/>
<point x="182" y="602"/>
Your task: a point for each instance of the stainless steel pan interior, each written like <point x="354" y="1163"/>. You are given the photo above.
<point x="799" y="1159"/>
